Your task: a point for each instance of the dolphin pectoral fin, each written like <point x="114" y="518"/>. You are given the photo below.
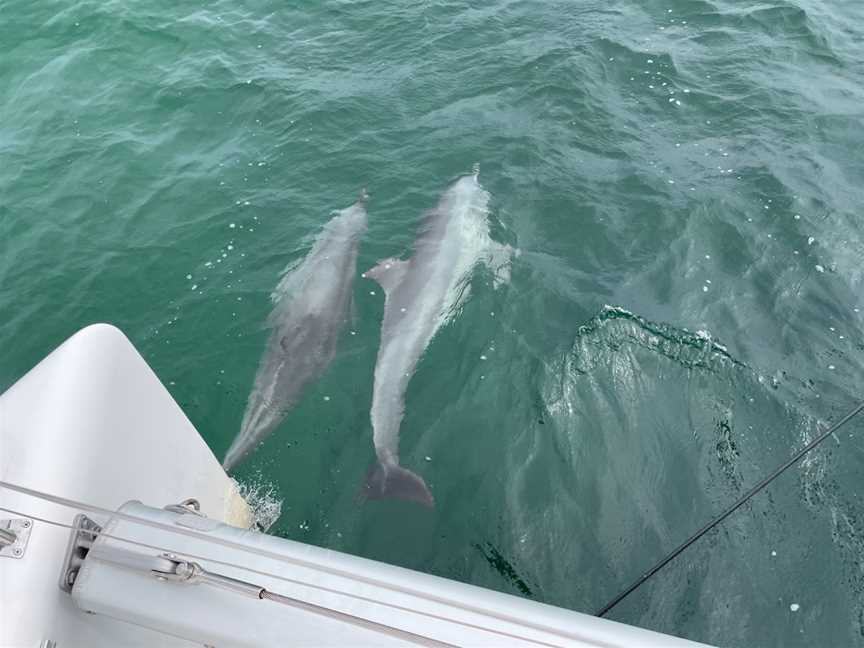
<point x="388" y="273"/>
<point x="391" y="481"/>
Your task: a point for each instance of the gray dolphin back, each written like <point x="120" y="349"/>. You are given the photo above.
<point x="311" y="305"/>
<point x="422" y="294"/>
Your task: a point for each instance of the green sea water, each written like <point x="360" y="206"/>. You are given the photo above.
<point x="685" y="183"/>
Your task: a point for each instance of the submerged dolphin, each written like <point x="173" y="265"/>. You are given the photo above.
<point x="311" y="306"/>
<point x="421" y="295"/>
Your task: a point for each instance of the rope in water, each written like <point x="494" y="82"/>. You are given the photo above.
<point x="729" y="511"/>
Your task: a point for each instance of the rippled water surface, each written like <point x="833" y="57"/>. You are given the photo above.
<point x="685" y="183"/>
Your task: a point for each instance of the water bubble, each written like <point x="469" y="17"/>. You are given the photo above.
<point x="794" y="607"/>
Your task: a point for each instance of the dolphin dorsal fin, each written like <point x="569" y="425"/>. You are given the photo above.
<point x="388" y="273"/>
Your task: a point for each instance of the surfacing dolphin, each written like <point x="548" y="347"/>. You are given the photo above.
<point x="311" y="306"/>
<point x="421" y="295"/>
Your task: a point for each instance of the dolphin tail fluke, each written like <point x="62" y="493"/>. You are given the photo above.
<point x="391" y="481"/>
<point x="232" y="457"/>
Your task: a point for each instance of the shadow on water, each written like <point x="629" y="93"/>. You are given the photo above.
<point x="500" y="564"/>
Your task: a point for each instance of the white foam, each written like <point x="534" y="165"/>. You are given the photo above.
<point x="264" y="501"/>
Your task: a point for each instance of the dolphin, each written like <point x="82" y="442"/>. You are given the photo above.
<point x="311" y="305"/>
<point x="422" y="294"/>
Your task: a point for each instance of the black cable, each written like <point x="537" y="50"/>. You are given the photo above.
<point x="717" y="520"/>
